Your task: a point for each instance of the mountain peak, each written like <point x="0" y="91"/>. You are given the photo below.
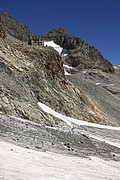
<point x="79" y="53"/>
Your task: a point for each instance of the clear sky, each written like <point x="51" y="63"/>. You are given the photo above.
<point x="95" y="21"/>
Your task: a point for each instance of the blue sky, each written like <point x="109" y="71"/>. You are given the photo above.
<point x="96" y="22"/>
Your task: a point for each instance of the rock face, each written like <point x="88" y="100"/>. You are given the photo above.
<point x="2" y="31"/>
<point x="32" y="74"/>
<point x="29" y="75"/>
<point x="15" y="28"/>
<point x="79" y="53"/>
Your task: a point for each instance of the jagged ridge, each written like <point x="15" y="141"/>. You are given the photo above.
<point x="80" y="54"/>
<point x="14" y="28"/>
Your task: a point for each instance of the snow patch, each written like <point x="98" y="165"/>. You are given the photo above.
<point x="66" y="66"/>
<point x="98" y="83"/>
<point x="70" y="120"/>
<point x="66" y="73"/>
<point x="116" y="144"/>
<point x="54" y="113"/>
<point x="64" y="55"/>
<point x="55" y="46"/>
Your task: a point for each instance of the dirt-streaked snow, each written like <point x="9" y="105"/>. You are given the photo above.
<point x="25" y="164"/>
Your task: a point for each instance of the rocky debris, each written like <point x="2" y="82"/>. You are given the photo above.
<point x="60" y="139"/>
<point x="79" y="53"/>
<point x="103" y="88"/>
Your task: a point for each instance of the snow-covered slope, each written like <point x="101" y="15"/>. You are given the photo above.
<point x="55" y="46"/>
<point x="25" y="164"/>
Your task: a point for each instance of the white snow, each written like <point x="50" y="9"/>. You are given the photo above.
<point x="66" y="73"/>
<point x="55" y="46"/>
<point x="54" y="113"/>
<point x="66" y="66"/>
<point x="70" y="120"/>
<point x="64" y="55"/>
<point x="84" y="72"/>
<point x="116" y="144"/>
<point x="25" y="164"/>
<point x="98" y="83"/>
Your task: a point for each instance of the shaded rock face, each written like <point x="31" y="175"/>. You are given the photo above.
<point x="80" y="54"/>
<point x="2" y="31"/>
<point x="15" y="28"/>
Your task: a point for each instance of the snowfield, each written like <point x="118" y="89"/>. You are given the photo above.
<point x="25" y="164"/>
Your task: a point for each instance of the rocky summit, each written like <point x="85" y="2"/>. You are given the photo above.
<point x="64" y="102"/>
<point x="79" y="53"/>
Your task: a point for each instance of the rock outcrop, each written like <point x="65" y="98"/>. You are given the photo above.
<point x="14" y="28"/>
<point x="79" y="53"/>
<point x="2" y="31"/>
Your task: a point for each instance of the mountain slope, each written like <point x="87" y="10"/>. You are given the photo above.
<point x="30" y="74"/>
<point x="79" y="53"/>
<point x="47" y="106"/>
